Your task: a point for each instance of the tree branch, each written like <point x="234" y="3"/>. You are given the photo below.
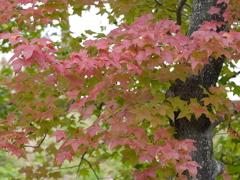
<point x="37" y="146"/>
<point x="80" y="163"/>
<point x="179" y="11"/>
<point x="70" y="167"/>
<point x="90" y="165"/>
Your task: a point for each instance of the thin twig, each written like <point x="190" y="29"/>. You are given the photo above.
<point x="158" y="3"/>
<point x="179" y="11"/>
<point x="220" y="134"/>
<point x="90" y="165"/>
<point x="171" y="10"/>
<point x="70" y="167"/>
<point x="188" y="6"/>
<point x="37" y="146"/>
<point x="149" y="6"/>
<point x="80" y="163"/>
<point x="223" y="127"/>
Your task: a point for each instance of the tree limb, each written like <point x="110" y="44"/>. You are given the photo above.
<point x="179" y="11"/>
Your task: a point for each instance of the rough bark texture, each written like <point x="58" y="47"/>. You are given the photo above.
<point x="200" y="129"/>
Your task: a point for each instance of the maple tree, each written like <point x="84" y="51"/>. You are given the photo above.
<point x="149" y="95"/>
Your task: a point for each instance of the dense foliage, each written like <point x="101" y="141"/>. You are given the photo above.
<point x="104" y="100"/>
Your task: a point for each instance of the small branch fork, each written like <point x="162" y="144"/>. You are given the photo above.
<point x="37" y="146"/>
<point x="90" y="165"/>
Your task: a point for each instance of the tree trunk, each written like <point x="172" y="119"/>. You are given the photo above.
<point x="200" y="129"/>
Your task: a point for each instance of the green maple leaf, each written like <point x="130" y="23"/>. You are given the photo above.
<point x="84" y="173"/>
<point x="129" y="155"/>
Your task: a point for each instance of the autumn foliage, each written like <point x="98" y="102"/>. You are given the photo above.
<point x="111" y="92"/>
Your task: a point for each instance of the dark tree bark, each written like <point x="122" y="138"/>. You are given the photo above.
<point x="200" y="129"/>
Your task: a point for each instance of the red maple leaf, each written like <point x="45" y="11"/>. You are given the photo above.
<point x="162" y="134"/>
<point x="153" y="149"/>
<point x="17" y="65"/>
<point x="92" y="130"/>
<point x="42" y="41"/>
<point x="60" y="135"/>
<point x="150" y="172"/>
<point x="62" y="156"/>
<point x="191" y="166"/>
<point x="73" y="94"/>
<point x="23" y="140"/>
<point x="19" y="153"/>
<point x="137" y="131"/>
<point x="214" y="10"/>
<point x="145" y="157"/>
<point x="87" y="113"/>
<point x="10" y="118"/>
<point x="187" y="144"/>
<point x="51" y="78"/>
<point x="76" y="142"/>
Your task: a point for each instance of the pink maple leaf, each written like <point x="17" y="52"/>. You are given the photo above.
<point x="42" y="41"/>
<point x="145" y="157"/>
<point x="17" y="65"/>
<point x="5" y="35"/>
<point x="87" y="113"/>
<point x="62" y="156"/>
<point x="18" y="153"/>
<point x="187" y="145"/>
<point x="92" y="131"/>
<point x="153" y="149"/>
<point x="214" y="10"/>
<point x="162" y="134"/>
<point x="191" y="166"/>
<point x="150" y="171"/>
<point x="10" y="118"/>
<point x="23" y="140"/>
<point x="76" y="142"/>
<point x="51" y="78"/>
<point x="24" y="1"/>
<point x="73" y="94"/>
<point x="137" y="131"/>
<point x="60" y="135"/>
<point x="226" y="176"/>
